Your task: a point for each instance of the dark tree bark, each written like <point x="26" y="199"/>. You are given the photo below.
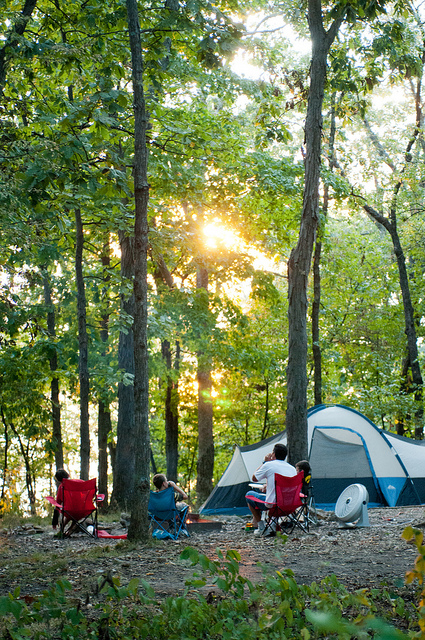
<point x="5" y="462"/>
<point x="54" y="384"/>
<point x="162" y="274"/>
<point x="83" y="350"/>
<point x="390" y="224"/>
<point x="205" y="464"/>
<point x="300" y="258"/>
<point x="138" y="529"/>
<point x="315" y="312"/>
<point x="171" y="411"/>
<point x="124" y="451"/>
<point x="11" y="44"/>
<point x="26" y="454"/>
<point x="315" y="324"/>
<point x="104" y="414"/>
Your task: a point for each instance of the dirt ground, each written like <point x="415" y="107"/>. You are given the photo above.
<point x="30" y="557"/>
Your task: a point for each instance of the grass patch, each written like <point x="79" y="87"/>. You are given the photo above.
<point x="233" y="608"/>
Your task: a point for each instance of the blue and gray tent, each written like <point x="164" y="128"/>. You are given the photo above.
<point x="345" y="447"/>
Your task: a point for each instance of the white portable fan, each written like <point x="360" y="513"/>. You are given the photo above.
<point x="352" y="505"/>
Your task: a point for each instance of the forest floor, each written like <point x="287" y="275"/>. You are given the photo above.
<point x="31" y="558"/>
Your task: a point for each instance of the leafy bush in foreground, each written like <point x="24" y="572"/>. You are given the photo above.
<point x="275" y="609"/>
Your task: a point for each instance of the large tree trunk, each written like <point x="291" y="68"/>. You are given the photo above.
<point x="124" y="457"/>
<point x="139" y="524"/>
<point x="205" y="464"/>
<point x="300" y="258"/>
<point x="83" y="351"/>
<point x="54" y="384"/>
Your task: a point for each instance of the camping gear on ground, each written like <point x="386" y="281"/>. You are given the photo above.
<point x="77" y="506"/>
<point x="345" y="448"/>
<point x="167" y="521"/>
<point x="351" y="506"/>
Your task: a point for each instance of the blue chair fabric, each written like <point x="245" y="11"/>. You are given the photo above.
<point x="167" y="521"/>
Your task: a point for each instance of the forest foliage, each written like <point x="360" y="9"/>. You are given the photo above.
<point x="226" y="89"/>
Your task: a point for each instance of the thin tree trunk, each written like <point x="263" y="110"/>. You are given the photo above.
<point x="29" y="477"/>
<point x="390" y="224"/>
<point x="162" y="274"/>
<point x="104" y="414"/>
<point x="205" y="464"/>
<point x="265" y="430"/>
<point x="315" y="325"/>
<point x="138" y="529"/>
<point x="124" y="457"/>
<point x="83" y="351"/>
<point x="54" y="384"/>
<point x="5" y="463"/>
<point x="171" y="411"/>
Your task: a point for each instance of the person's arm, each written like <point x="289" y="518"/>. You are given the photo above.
<point x="178" y="490"/>
<point x="255" y="477"/>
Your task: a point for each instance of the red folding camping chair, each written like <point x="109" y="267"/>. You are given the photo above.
<point x="283" y="514"/>
<point x="77" y="502"/>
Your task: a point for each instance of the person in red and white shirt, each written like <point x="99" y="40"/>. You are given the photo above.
<point x="259" y="501"/>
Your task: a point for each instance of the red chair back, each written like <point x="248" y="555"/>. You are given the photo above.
<point x="78" y="497"/>
<point x="288" y="492"/>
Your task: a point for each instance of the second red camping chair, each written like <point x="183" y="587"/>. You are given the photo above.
<point x="77" y="502"/>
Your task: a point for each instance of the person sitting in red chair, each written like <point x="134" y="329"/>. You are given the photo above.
<point x="60" y="475"/>
<point x="257" y="501"/>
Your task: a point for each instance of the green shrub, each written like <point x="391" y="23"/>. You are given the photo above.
<point x="220" y="604"/>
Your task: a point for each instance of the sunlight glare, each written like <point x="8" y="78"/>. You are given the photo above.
<point x="216" y="235"/>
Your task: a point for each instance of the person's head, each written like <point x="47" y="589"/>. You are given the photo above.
<point x="60" y="475"/>
<point x="280" y="451"/>
<point x="303" y="465"/>
<point x="159" y="480"/>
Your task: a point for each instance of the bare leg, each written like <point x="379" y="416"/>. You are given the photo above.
<point x="256" y="515"/>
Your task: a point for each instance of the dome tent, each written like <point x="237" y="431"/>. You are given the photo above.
<point x="345" y="448"/>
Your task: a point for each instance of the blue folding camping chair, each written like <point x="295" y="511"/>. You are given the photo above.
<point x="167" y="521"/>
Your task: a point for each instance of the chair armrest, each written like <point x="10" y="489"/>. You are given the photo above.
<point x="100" y="497"/>
<point x="53" y="502"/>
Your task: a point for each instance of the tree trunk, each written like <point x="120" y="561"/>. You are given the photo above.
<point x="5" y="464"/>
<point x="300" y="258"/>
<point x="139" y="524"/>
<point x="54" y="384"/>
<point x="104" y="415"/>
<point x="315" y="325"/>
<point x="83" y="351"/>
<point x="205" y="464"/>
<point x="390" y="224"/>
<point x="124" y="450"/>
<point x="163" y="275"/>
<point x="171" y="411"/>
<point x="11" y="45"/>
<point x="409" y="317"/>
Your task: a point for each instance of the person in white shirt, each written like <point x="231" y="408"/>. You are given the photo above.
<point x="274" y="462"/>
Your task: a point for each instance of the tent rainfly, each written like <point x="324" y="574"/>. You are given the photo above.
<point x="345" y="448"/>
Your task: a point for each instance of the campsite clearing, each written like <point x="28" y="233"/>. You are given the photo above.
<point x="345" y="448"/>
<point x="363" y="557"/>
